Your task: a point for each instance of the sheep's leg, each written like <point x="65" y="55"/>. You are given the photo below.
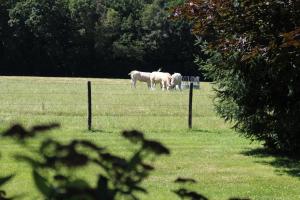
<point x="167" y="84"/>
<point x="163" y="85"/>
<point x="133" y="83"/>
<point x="152" y="84"/>
<point x="149" y="84"/>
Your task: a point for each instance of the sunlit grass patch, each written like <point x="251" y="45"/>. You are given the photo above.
<point x="211" y="152"/>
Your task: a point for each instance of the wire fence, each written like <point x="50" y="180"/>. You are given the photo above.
<point x="29" y="99"/>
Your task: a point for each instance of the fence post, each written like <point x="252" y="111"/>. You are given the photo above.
<point x="191" y="105"/>
<point x="89" y="105"/>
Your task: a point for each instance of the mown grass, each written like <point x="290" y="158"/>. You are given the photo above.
<point x="225" y="164"/>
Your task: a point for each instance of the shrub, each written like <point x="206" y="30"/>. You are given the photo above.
<point x="251" y="51"/>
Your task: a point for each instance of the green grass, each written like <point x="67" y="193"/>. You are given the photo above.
<point x="225" y="164"/>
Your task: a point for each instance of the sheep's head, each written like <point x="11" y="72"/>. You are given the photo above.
<point x="172" y="81"/>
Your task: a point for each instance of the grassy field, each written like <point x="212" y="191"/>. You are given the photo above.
<point x="225" y="164"/>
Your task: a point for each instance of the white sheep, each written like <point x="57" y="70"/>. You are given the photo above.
<point x="162" y="78"/>
<point x="140" y="76"/>
<point x="176" y="81"/>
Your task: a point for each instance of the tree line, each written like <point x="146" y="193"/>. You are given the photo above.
<point x="99" y="38"/>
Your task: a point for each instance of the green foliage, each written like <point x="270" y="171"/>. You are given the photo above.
<point x="90" y="37"/>
<point x="54" y="164"/>
<point x="184" y="193"/>
<point x="118" y="176"/>
<point x="4" y="180"/>
<point x="253" y="57"/>
<point x="40" y="29"/>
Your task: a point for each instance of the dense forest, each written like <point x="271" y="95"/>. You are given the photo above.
<point x="98" y="38"/>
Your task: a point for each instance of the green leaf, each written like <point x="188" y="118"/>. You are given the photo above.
<point x="103" y="190"/>
<point x="42" y="184"/>
<point x="3" y="180"/>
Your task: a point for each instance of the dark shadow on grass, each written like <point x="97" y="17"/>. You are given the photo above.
<point x="284" y="164"/>
<point x="202" y="131"/>
<point x="98" y="131"/>
<point x="207" y="131"/>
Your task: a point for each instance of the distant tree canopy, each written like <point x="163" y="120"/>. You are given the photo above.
<point x="93" y="37"/>
<point x="253" y="55"/>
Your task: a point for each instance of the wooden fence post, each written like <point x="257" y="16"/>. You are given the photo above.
<point x="89" y="105"/>
<point x="191" y="105"/>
